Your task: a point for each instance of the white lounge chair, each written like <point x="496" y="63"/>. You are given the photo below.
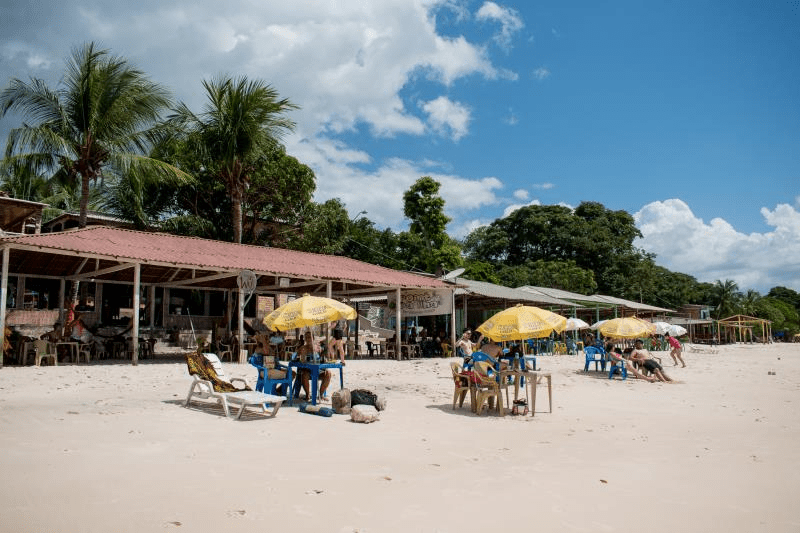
<point x="204" y="389"/>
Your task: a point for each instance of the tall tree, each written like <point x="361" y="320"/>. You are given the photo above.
<point x="242" y="119"/>
<point x="726" y="294"/>
<point x="99" y="124"/>
<point x="427" y="234"/>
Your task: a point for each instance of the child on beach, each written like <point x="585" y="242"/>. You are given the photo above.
<point x="676" y="350"/>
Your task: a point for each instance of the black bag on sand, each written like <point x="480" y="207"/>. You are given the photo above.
<point x="362" y="397"/>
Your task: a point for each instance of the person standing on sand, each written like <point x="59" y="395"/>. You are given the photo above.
<point x="465" y="343"/>
<point x="676" y="350"/>
<point x="336" y="346"/>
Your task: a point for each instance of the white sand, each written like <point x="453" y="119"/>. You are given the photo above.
<point x="110" y="448"/>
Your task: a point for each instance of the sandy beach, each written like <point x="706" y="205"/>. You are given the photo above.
<point x="110" y="447"/>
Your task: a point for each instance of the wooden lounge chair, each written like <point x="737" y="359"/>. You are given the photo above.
<point x="209" y="382"/>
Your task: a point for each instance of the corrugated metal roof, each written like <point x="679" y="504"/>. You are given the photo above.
<point x="491" y="290"/>
<point x="557" y="293"/>
<point x="598" y="298"/>
<point x="631" y="304"/>
<point x="190" y="252"/>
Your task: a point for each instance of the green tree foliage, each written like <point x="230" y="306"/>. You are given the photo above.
<point x="241" y="122"/>
<point x="482" y="271"/>
<point x="726" y="298"/>
<point x="426" y="243"/>
<point x="367" y="243"/>
<point x="280" y="191"/>
<point x="783" y="315"/>
<point x="789" y="296"/>
<point x="564" y="275"/>
<point x="591" y="236"/>
<point x="323" y="228"/>
<point x="96" y="126"/>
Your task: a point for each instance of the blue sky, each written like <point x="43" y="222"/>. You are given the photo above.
<point x="685" y="113"/>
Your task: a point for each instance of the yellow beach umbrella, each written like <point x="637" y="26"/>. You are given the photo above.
<point x="522" y="322"/>
<point x="629" y="327"/>
<point x="308" y="311"/>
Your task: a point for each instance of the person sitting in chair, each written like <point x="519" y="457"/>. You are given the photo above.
<point x="642" y="356"/>
<point x="615" y="356"/>
<point x="270" y="362"/>
<point x="307" y="351"/>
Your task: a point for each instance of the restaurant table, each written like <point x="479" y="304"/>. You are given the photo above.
<point x="72" y="347"/>
<point x="314" y="368"/>
<point x="531" y="381"/>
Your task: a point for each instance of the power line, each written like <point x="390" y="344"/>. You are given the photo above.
<point x="410" y="267"/>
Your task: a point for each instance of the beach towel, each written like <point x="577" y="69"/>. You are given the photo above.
<point x="200" y="366"/>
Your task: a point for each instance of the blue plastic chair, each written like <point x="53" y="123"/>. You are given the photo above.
<point x="271" y="385"/>
<point x="617" y="367"/>
<point x="481" y="356"/>
<point x="594" y="355"/>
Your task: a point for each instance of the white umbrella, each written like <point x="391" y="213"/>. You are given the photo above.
<point x="598" y="324"/>
<point x="662" y="327"/>
<point x="574" y="324"/>
<point x="677" y="331"/>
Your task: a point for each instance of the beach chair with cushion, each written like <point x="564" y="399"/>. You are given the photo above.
<point x="594" y="355"/>
<point x="209" y="382"/>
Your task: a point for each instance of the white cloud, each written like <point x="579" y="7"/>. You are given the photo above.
<point x="521" y="194"/>
<point x="380" y="190"/>
<point x="350" y="69"/>
<point x="447" y="117"/>
<point x="541" y="73"/>
<point x="509" y="19"/>
<point x="344" y="65"/>
<point x="715" y="250"/>
<point x="513" y="207"/>
<point x="543" y="186"/>
<point x="468" y="226"/>
<point x="30" y="56"/>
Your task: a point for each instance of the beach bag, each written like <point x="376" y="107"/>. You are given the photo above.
<point x="340" y="401"/>
<point x="364" y="414"/>
<point x="362" y="397"/>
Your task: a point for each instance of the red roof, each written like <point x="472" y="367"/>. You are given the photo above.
<point x="190" y="252"/>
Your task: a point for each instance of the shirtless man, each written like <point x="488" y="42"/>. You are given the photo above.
<point x="641" y="355"/>
<point x="465" y="343"/>
<point x="614" y="356"/>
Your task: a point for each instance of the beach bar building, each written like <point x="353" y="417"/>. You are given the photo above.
<point x="155" y="280"/>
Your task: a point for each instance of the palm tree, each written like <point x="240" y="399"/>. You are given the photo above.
<point x="97" y="125"/>
<point x="240" y="121"/>
<point x="727" y="295"/>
